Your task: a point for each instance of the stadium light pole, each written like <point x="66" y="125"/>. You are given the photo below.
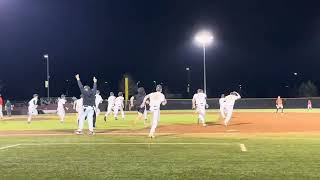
<point x="46" y="56"/>
<point x="204" y="38"/>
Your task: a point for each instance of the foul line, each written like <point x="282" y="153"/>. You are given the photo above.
<point x="10" y="146"/>
<point x="124" y="143"/>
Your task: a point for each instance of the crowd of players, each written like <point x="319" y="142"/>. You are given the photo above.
<point x="87" y="107"/>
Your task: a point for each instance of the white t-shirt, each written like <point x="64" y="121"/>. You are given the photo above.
<point x="200" y="99"/>
<point x="230" y="99"/>
<point x="111" y="100"/>
<point x="98" y="100"/>
<point x="33" y="103"/>
<point x="156" y="99"/>
<point x="61" y="102"/>
<point x="119" y="101"/>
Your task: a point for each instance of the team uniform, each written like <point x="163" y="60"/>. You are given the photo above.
<point x="279" y="104"/>
<point x="200" y="102"/>
<point x="222" y="102"/>
<point x="60" y="109"/>
<point x="8" y="107"/>
<point x="78" y="106"/>
<point x="228" y="106"/>
<point x="111" y="100"/>
<point x="32" y="108"/>
<point x="309" y="104"/>
<point x="118" y="106"/>
<point x="156" y="99"/>
<point x="98" y="101"/>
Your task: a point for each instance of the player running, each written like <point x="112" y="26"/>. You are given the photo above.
<point x="279" y="104"/>
<point x="309" y="104"/>
<point x="32" y="108"/>
<point x="98" y="101"/>
<point x="111" y="100"/>
<point x="229" y="104"/>
<point x="199" y="102"/>
<point x="222" y="102"/>
<point x="118" y="106"/>
<point x="156" y="99"/>
<point x="136" y="101"/>
<point x="61" y="109"/>
<point x="78" y="106"/>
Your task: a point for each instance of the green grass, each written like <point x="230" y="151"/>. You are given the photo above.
<point x="267" y="158"/>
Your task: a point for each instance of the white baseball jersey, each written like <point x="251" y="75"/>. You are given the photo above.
<point x="98" y="100"/>
<point x="156" y="99"/>
<point x="33" y="103"/>
<point x="119" y="101"/>
<point x="230" y="99"/>
<point x="200" y="99"/>
<point x="61" y="103"/>
<point x="222" y="102"/>
<point x="111" y="100"/>
<point x="79" y="104"/>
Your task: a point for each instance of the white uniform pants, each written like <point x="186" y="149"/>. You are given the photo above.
<point x="223" y="112"/>
<point x="116" y="111"/>
<point x="88" y="112"/>
<point x="62" y="113"/>
<point x="202" y="113"/>
<point x="109" y="110"/>
<point x="32" y="111"/>
<point x="229" y="110"/>
<point x="155" y="120"/>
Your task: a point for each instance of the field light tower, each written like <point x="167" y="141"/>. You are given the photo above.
<point x="204" y="38"/>
<point x="46" y="56"/>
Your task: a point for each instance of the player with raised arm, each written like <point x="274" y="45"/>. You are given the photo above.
<point x="111" y="100"/>
<point x="199" y="102"/>
<point x="32" y="108"/>
<point x="118" y="106"/>
<point x="279" y="104"/>
<point x="61" y="109"/>
<point x="156" y="99"/>
<point x="229" y="104"/>
<point x="89" y="96"/>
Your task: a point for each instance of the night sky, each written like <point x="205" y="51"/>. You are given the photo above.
<point x="258" y="44"/>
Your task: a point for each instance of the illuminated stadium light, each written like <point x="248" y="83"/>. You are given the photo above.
<point x="204" y="38"/>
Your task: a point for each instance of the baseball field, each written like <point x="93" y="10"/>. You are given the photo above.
<point x="258" y="144"/>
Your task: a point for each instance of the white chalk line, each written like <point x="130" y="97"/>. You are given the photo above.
<point x="10" y="146"/>
<point x="242" y="146"/>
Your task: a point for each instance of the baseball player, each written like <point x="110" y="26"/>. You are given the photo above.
<point x="136" y="101"/>
<point x="156" y="99"/>
<point x="8" y="107"/>
<point x="98" y="101"/>
<point x="222" y="102"/>
<point x="228" y="106"/>
<point x="61" y="109"/>
<point x="111" y="100"/>
<point x="78" y="106"/>
<point x="89" y="96"/>
<point x="32" y="108"/>
<point x="118" y="106"/>
<point x="1" y="104"/>
<point x="199" y="102"/>
<point x="279" y="104"/>
<point x="309" y="104"/>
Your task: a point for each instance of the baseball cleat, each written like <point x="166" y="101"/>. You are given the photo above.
<point x="91" y="133"/>
<point x="79" y="132"/>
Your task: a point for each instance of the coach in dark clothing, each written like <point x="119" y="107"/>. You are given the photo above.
<point x="88" y="104"/>
<point x="137" y="100"/>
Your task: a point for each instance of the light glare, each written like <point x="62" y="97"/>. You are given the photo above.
<point x="204" y="38"/>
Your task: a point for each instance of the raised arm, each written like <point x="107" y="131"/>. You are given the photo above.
<point x="238" y="95"/>
<point x="79" y="83"/>
<point x="94" y="85"/>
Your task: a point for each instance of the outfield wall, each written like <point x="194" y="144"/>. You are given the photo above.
<point x="183" y="104"/>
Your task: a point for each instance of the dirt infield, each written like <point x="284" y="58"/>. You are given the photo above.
<point x="242" y="122"/>
<point x="253" y="122"/>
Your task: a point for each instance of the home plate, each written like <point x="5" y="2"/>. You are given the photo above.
<point x="232" y="130"/>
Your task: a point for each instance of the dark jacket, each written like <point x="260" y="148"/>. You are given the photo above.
<point x="88" y="96"/>
<point x="139" y="97"/>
